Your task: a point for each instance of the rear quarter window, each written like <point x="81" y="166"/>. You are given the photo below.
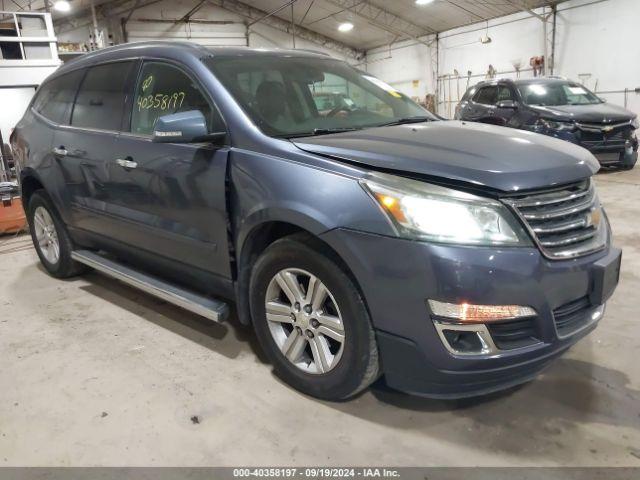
<point x="55" y="98"/>
<point x="468" y="94"/>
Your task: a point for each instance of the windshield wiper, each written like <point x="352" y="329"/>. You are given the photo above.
<point x="319" y="131"/>
<point x="406" y="120"/>
<point x="326" y="131"/>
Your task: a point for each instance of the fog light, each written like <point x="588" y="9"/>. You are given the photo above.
<point x="466" y="312"/>
<point x="628" y="148"/>
<point x="466" y="339"/>
<point x="597" y="313"/>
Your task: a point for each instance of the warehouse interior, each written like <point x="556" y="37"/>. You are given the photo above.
<point x="97" y="373"/>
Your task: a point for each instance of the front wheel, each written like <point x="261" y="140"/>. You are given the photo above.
<point x="311" y="320"/>
<point x="629" y="163"/>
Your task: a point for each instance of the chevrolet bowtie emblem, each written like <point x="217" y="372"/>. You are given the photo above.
<point x="607" y="129"/>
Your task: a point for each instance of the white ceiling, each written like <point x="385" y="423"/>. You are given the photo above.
<point x="324" y="16"/>
<point x="376" y="22"/>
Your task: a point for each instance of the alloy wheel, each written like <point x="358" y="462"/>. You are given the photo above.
<point x="46" y="234"/>
<point x="305" y="321"/>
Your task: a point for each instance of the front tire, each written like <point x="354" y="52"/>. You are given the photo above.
<point x="50" y="237"/>
<point x="628" y="164"/>
<point x="311" y="320"/>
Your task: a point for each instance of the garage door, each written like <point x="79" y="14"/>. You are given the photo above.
<point x="224" y="35"/>
<point x="14" y="102"/>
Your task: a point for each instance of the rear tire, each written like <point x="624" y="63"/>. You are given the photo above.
<point x="50" y="237"/>
<point x="319" y="363"/>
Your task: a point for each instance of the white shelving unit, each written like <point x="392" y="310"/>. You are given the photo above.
<point x="27" y="38"/>
<point x="28" y="55"/>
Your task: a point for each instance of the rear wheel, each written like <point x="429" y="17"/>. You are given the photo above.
<point x="311" y="320"/>
<point x="50" y="238"/>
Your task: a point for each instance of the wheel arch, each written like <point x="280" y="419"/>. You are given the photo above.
<point x="29" y="184"/>
<point x="258" y="239"/>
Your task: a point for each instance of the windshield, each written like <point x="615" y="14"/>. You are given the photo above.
<point x="295" y="96"/>
<point x="548" y="94"/>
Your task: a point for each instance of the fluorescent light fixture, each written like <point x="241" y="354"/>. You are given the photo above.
<point x="62" y="6"/>
<point x="423" y="2"/>
<point x="345" y="27"/>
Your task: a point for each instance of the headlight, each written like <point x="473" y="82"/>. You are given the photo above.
<point x="556" y="126"/>
<point x="635" y="123"/>
<point x="423" y="211"/>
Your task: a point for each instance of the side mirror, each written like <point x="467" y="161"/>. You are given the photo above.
<point x="507" y="104"/>
<point x="183" y="127"/>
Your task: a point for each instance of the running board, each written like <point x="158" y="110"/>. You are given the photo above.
<point x="207" y="307"/>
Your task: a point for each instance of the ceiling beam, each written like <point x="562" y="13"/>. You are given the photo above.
<point x="523" y="5"/>
<point x="384" y="20"/>
<point x="102" y="12"/>
<point x="119" y="8"/>
<point x="187" y="16"/>
<point x="273" y="12"/>
<point x="252" y="14"/>
<point x="466" y="10"/>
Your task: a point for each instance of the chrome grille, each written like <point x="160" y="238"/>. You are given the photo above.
<point x="613" y="139"/>
<point x="565" y="222"/>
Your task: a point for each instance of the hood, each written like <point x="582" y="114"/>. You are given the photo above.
<point x="597" y="113"/>
<point x="499" y="158"/>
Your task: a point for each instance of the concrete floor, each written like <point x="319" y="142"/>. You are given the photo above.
<point x="95" y="373"/>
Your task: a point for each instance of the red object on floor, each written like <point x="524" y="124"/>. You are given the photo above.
<point x="12" y="218"/>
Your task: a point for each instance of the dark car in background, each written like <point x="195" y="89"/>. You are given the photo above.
<point x="558" y="108"/>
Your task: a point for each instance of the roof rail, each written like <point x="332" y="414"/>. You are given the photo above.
<point x="310" y="50"/>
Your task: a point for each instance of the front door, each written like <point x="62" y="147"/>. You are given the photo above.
<point x="505" y="114"/>
<point x="171" y="197"/>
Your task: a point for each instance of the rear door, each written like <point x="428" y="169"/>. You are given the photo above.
<point x="171" y="198"/>
<point x="84" y="148"/>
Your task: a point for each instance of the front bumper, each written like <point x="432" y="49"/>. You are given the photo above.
<point x="398" y="276"/>
<point x="620" y="148"/>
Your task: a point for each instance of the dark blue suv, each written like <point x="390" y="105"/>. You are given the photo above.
<point x="558" y="108"/>
<point x="362" y="240"/>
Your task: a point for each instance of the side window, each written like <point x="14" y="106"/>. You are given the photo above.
<point x="504" y="93"/>
<point x="163" y="89"/>
<point x="55" y="99"/>
<point x="486" y="96"/>
<point x="101" y="99"/>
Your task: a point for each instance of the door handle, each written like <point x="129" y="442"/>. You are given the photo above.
<point x="126" y="163"/>
<point x="60" y="152"/>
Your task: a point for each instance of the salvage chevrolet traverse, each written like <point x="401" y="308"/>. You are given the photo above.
<point x="362" y="239"/>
